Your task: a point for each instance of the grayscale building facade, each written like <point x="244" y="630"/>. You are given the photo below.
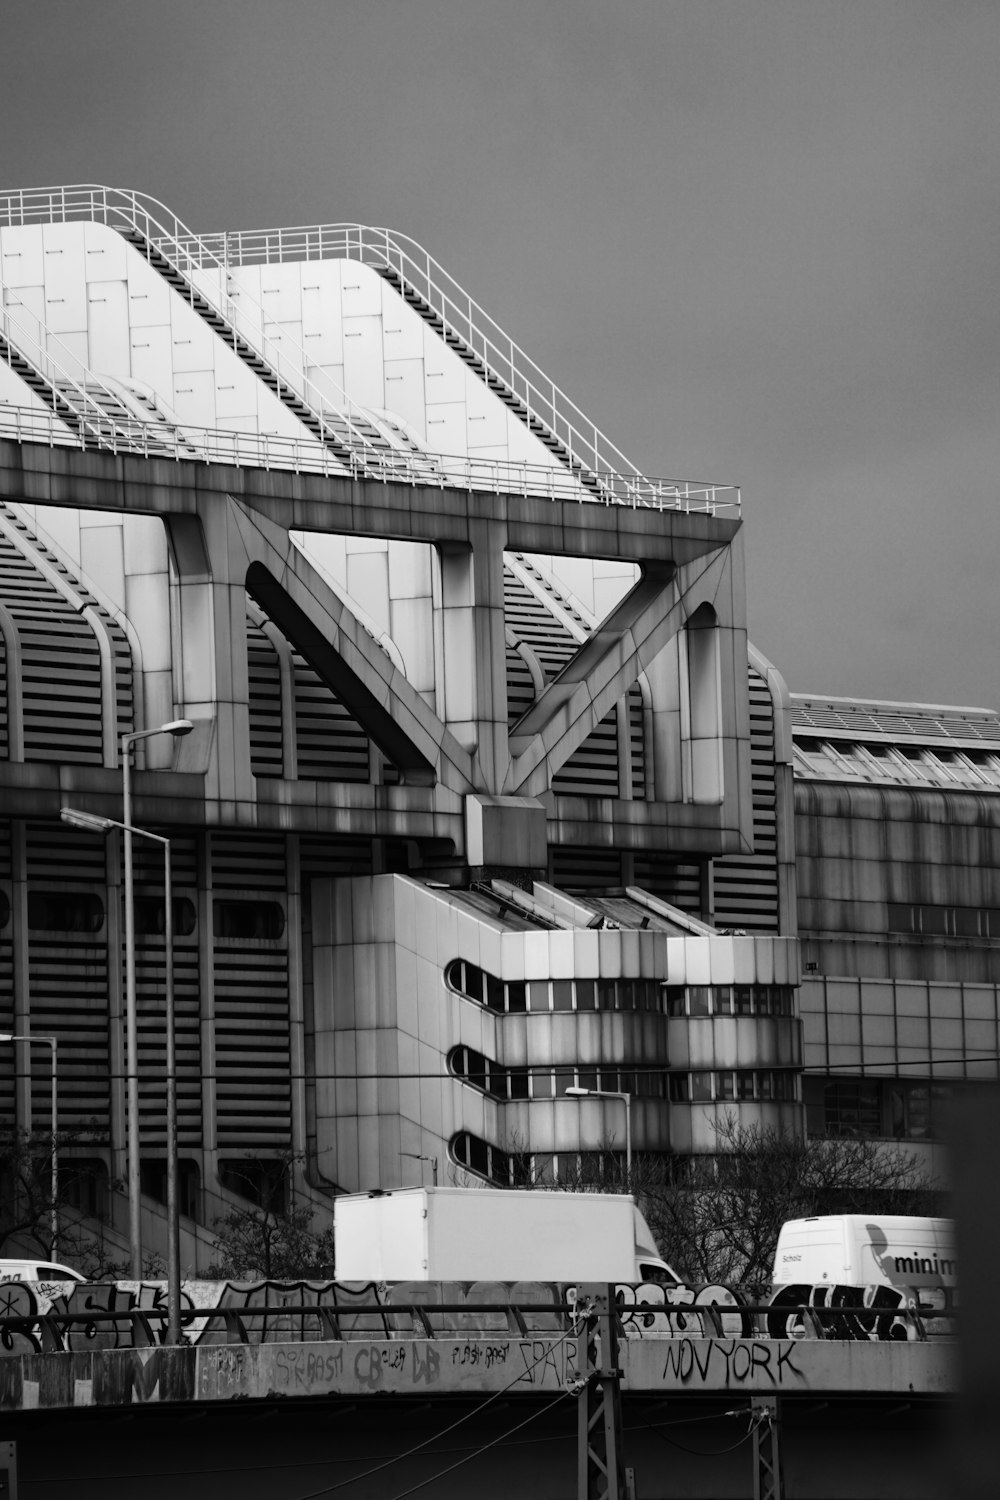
<point x="487" y="796"/>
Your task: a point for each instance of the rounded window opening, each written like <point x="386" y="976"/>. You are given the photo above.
<point x="55" y="911"/>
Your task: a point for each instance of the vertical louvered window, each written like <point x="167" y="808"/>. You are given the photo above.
<point x="252" y="1036"/>
<point x="150" y="973"/>
<point x="7" y="1060"/>
<point x="332" y="746"/>
<point x="61" y="678"/>
<point x="264" y="671"/>
<point x="746" y="885"/>
<point x="68" y="970"/>
<point x="593" y="769"/>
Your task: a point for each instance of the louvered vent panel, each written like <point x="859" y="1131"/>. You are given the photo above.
<point x="746" y="886"/>
<point x="252" y="1052"/>
<point x="242" y="861"/>
<point x="520" y="688"/>
<point x="4" y="741"/>
<point x="147" y="860"/>
<point x="592" y="769"/>
<point x="900" y="721"/>
<point x="330" y="743"/>
<point x="150" y="973"/>
<point x="68" y="971"/>
<point x="586" y="869"/>
<point x="252" y="1037"/>
<point x="676" y="881"/>
<point x="332" y="746"/>
<point x="264" y="672"/>
<point x="61" y="661"/>
<point x="536" y="626"/>
<point x="325" y="858"/>
<point x="637" y="742"/>
<point x="7" y="1058"/>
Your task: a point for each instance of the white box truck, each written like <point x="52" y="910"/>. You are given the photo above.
<point x="866" y="1250"/>
<point x="491" y="1234"/>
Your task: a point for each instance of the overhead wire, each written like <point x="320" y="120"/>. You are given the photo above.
<point x="485" y="1448"/>
<point x="476" y="1411"/>
<point x="756" y="1419"/>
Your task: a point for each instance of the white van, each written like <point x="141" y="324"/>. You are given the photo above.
<point x="866" y="1250"/>
<point x="37" y="1270"/>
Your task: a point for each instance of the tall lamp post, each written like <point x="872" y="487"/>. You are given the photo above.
<point x="50" y="1041"/>
<point x="96" y="824"/>
<point x="579" y="1093"/>
<point x="177" y="728"/>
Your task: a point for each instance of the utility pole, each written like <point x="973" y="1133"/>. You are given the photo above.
<point x="768" y="1481"/>
<point x="600" y="1460"/>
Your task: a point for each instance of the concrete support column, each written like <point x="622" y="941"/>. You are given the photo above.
<point x="470" y="647"/>
<point x="210" y="649"/>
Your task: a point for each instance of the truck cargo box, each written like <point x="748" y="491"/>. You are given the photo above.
<point x="474" y="1234"/>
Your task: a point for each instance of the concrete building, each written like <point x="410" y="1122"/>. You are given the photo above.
<point x="487" y="798"/>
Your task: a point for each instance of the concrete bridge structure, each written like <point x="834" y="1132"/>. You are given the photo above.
<point x="296" y="1391"/>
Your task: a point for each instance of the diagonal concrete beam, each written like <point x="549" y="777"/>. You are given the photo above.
<point x="347" y="659"/>
<point x="607" y="665"/>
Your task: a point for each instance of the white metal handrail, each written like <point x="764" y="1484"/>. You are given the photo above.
<point x="29" y="337"/>
<point x="585" y="446"/>
<point x="502" y="357"/>
<point x="307" y="456"/>
<point x="341" y="420"/>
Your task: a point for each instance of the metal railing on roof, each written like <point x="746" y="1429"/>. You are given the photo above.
<point x="587" y="449"/>
<point x="427" y="282"/>
<point x="243" y="450"/>
<point x="160" y="232"/>
<point x="28" y="342"/>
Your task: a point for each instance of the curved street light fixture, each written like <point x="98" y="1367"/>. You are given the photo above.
<point x="580" y="1093"/>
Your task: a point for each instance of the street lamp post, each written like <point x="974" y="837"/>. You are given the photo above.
<point x="97" y="824"/>
<point x="176" y="727"/>
<point x="50" y="1041"/>
<point x="579" y="1093"/>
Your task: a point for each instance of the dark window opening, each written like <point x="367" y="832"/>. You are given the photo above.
<point x="153" y="1180"/>
<point x="248" y="920"/>
<point x="53" y="911"/>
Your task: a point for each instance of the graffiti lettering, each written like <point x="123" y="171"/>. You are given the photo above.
<point x="305" y="1369"/>
<point x="370" y="1363"/>
<point x="543" y="1359"/>
<point x="691" y="1361"/>
<point x="480" y="1354"/>
<point x="677" y="1311"/>
<point x="426" y="1370"/>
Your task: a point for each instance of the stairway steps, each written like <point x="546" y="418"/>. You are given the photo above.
<point x="53" y="398"/>
<point x="496" y="383"/>
<point x="246" y="352"/>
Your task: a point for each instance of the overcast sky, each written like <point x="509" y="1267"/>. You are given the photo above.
<point x="757" y="241"/>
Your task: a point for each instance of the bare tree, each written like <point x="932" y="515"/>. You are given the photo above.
<point x="719" y="1219"/>
<point x="272" y="1237"/>
<point x="26" y="1200"/>
<point x="716" y="1217"/>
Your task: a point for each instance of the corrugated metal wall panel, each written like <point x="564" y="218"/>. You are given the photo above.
<point x="68" y="971"/>
<point x="746" y="886"/>
<point x="251" y="979"/>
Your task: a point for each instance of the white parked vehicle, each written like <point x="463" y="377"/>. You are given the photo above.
<point x="866" y="1250"/>
<point x="37" y="1270"/>
<point x="491" y="1234"/>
